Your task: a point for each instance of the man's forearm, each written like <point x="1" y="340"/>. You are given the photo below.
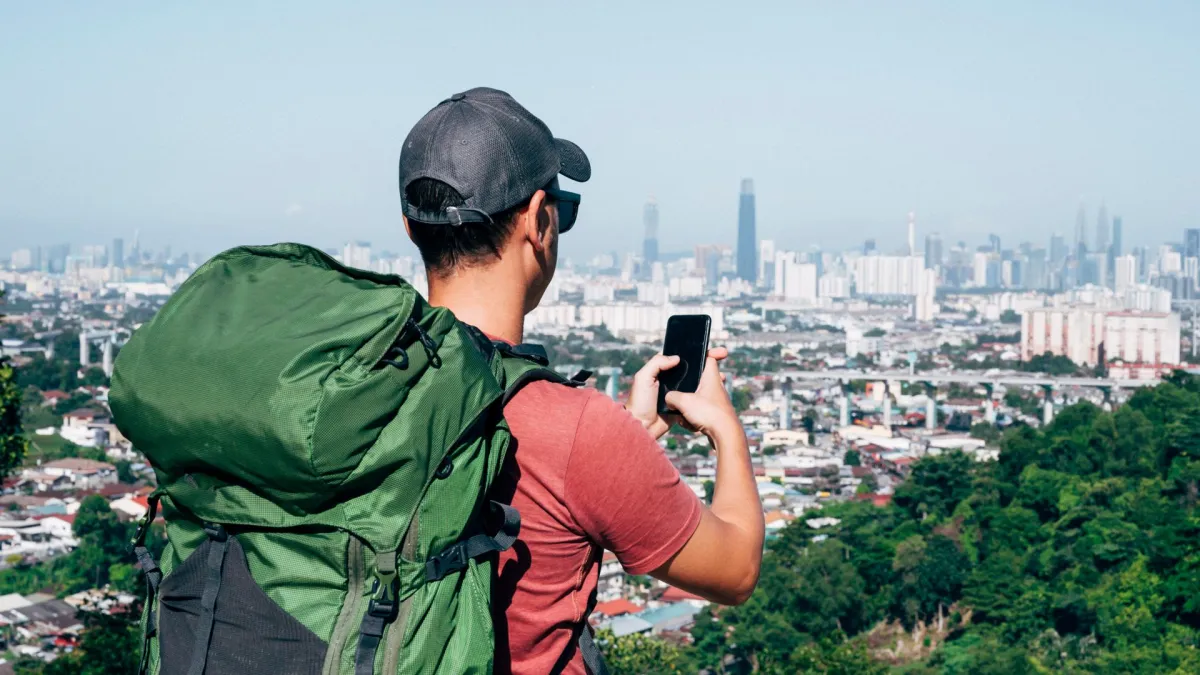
<point x="735" y="498"/>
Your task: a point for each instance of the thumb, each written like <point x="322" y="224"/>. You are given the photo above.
<point x="656" y="365"/>
<point x="679" y="400"/>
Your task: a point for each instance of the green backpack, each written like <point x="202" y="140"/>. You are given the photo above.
<point x="324" y="443"/>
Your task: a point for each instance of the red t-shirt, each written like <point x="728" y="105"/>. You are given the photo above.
<point x="588" y="475"/>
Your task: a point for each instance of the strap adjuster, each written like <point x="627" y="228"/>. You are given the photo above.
<point x="452" y="559"/>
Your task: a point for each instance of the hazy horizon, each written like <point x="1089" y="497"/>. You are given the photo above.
<point x="205" y="129"/>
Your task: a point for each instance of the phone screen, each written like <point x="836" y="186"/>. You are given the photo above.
<point x="687" y="338"/>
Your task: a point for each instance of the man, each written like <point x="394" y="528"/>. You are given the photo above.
<point x="481" y="199"/>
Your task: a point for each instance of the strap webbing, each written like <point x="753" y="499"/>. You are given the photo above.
<point x="381" y="611"/>
<point x="458" y="555"/>
<point x="153" y="576"/>
<point x="219" y="544"/>
<point x="526" y="350"/>
<point x="593" y="660"/>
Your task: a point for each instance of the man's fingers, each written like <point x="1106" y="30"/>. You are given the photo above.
<point x="656" y="364"/>
<point x="718" y="353"/>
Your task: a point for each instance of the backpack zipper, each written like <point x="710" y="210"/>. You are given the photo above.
<point x="355" y="576"/>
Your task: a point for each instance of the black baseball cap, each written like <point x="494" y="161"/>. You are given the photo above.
<point x="491" y="150"/>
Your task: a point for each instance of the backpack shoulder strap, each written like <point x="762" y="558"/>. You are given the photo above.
<point x="526" y="363"/>
<point x="523" y="363"/>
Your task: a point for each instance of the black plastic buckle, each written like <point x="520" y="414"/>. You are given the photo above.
<point x="452" y="559"/>
<point x="385" y="609"/>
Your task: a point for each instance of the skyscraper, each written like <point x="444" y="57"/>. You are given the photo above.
<point x="933" y="251"/>
<point x="1081" y="246"/>
<point x="650" y="243"/>
<point x="994" y="242"/>
<point x="1102" y="230"/>
<point x="116" y="255"/>
<point x="1191" y="243"/>
<point x="1058" y="250"/>
<point x="1115" y="249"/>
<point x="747" y="241"/>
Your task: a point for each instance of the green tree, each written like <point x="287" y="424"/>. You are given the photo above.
<point x="13" y="444"/>
<point x="1010" y="317"/>
<point x="852" y="458"/>
<point x="936" y="486"/>
<point x="639" y="654"/>
<point x="125" y="472"/>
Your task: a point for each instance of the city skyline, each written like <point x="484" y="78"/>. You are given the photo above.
<point x="291" y="131"/>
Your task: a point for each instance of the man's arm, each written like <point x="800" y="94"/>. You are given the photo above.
<point x="720" y="561"/>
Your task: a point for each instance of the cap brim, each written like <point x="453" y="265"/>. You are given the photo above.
<point x="573" y="163"/>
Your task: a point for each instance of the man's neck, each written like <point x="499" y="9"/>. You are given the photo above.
<point x="483" y="301"/>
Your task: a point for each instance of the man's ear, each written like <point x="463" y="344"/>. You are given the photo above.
<point x="534" y="222"/>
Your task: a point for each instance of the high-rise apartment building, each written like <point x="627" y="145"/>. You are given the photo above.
<point x="650" y="243"/>
<point x="747" y="240"/>
<point x="887" y="274"/>
<point x="1143" y="341"/>
<point x="933" y="251"/>
<point x="22" y="259"/>
<point x="766" y="263"/>
<point x="56" y="260"/>
<point x="116" y="254"/>
<point x="1035" y="275"/>
<point x="357" y="254"/>
<point x="994" y="242"/>
<point x="1125" y="273"/>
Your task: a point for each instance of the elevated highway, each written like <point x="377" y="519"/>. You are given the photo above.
<point x="965" y="377"/>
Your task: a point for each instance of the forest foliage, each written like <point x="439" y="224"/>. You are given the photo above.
<point x="1077" y="551"/>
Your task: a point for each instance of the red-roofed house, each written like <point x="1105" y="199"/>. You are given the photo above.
<point x="616" y="608"/>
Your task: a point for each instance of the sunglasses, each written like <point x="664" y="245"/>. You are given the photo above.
<point x="568" y="207"/>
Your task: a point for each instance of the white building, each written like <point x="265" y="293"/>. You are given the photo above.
<point x="357" y="254"/>
<point x="833" y="286"/>
<point x="1142" y="341"/>
<point x="1125" y="273"/>
<point x="795" y="281"/>
<point x="887" y="275"/>
<point x="925" y="305"/>
<point x="979" y="269"/>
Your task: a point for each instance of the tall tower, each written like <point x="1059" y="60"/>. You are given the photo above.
<point x="650" y="243"/>
<point x="1102" y="230"/>
<point x="912" y="232"/>
<point x="1116" y="247"/>
<point x="1081" y="246"/>
<point x="747" y="240"/>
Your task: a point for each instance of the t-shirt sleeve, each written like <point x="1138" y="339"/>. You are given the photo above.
<point x="624" y="492"/>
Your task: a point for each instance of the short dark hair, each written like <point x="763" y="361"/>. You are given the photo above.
<point x="444" y="247"/>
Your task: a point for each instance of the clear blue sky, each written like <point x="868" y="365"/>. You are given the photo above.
<point x="207" y="125"/>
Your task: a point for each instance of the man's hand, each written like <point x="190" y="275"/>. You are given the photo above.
<point x="709" y="409"/>
<point x="643" y="395"/>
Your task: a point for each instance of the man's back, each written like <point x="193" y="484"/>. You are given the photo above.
<point x="584" y="474"/>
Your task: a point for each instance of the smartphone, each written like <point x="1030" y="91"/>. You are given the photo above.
<point x="687" y="338"/>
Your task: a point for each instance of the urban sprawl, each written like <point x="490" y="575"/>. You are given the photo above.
<point x="847" y="367"/>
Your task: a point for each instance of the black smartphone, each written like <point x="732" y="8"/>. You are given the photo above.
<point x="687" y="338"/>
